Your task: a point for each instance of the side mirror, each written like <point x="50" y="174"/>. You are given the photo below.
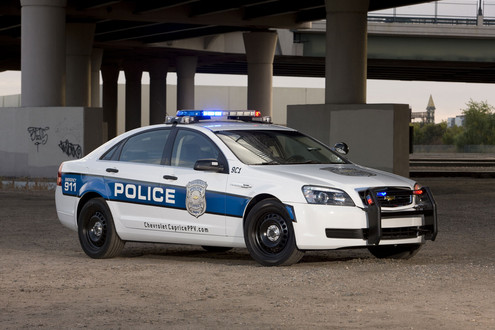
<point x="208" y="165"/>
<point x="341" y="148"/>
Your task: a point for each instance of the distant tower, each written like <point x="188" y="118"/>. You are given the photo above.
<point x="430" y="111"/>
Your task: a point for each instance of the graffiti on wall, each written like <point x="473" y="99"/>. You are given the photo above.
<point x="70" y="149"/>
<point x="38" y="135"/>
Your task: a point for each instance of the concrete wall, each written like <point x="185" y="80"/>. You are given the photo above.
<point x="10" y="101"/>
<point x="224" y="97"/>
<point x="377" y="134"/>
<point x="34" y="141"/>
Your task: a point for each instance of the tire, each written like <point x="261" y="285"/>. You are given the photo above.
<point x="269" y="235"/>
<point x="216" y="248"/>
<point x="96" y="230"/>
<point x="404" y="251"/>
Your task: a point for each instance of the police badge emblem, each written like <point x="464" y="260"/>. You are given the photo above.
<point x="195" y="197"/>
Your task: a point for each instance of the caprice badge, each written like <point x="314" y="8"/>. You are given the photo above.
<point x="195" y="197"/>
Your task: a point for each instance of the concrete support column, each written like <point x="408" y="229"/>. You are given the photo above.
<point x="346" y="51"/>
<point x="43" y="52"/>
<point x="158" y="91"/>
<point x="260" y="50"/>
<point x="78" y="73"/>
<point x="133" y="73"/>
<point x="186" y="69"/>
<point x="110" y="75"/>
<point x="96" y="57"/>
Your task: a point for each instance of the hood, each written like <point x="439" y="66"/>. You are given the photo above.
<point x="339" y="176"/>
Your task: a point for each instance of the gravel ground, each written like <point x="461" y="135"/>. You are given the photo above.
<point x="46" y="281"/>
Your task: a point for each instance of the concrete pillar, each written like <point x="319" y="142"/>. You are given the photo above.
<point x="133" y="73"/>
<point x="345" y="116"/>
<point x="43" y="52"/>
<point x="96" y="57"/>
<point x="158" y="91"/>
<point x="78" y="73"/>
<point x="110" y="75"/>
<point x="186" y="69"/>
<point x="260" y="50"/>
<point x="346" y="51"/>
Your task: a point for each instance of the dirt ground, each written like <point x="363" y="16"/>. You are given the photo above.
<point x="46" y="281"/>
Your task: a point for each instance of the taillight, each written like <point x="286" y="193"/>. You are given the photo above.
<point x="59" y="175"/>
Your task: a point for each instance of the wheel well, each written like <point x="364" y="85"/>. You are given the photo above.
<point x="84" y="199"/>
<point x="255" y="201"/>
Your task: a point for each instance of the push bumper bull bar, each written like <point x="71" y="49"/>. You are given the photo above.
<point x="426" y="207"/>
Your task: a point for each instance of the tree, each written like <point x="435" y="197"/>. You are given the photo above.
<point x="452" y="134"/>
<point x="479" y="125"/>
<point x="429" y="133"/>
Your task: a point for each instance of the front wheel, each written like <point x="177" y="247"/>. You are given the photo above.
<point x="96" y="230"/>
<point x="269" y="235"/>
<point x="401" y="251"/>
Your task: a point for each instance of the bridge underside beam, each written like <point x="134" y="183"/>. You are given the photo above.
<point x="385" y="69"/>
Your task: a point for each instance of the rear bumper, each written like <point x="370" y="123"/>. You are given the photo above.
<point x="66" y="206"/>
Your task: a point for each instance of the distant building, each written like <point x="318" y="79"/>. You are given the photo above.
<point x="430" y="110"/>
<point x="457" y="121"/>
<point x="428" y="116"/>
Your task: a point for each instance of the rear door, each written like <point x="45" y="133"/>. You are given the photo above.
<point x="133" y="172"/>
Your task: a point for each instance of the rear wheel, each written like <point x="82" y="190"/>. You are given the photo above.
<point x="269" y="235"/>
<point x="96" y="230"/>
<point x="402" y="251"/>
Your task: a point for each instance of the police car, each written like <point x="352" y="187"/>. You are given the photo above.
<point x="224" y="179"/>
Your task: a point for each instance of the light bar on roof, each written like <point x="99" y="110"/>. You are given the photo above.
<point x="196" y="115"/>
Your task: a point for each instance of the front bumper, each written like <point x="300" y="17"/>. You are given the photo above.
<point x="427" y="209"/>
<point x="332" y="227"/>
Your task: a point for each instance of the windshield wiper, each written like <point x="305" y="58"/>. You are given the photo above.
<point x="305" y="162"/>
<point x="271" y="162"/>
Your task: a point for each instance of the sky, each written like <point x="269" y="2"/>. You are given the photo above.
<point x="449" y="98"/>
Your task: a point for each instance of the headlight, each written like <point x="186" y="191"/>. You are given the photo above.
<point x="419" y="193"/>
<point x="326" y="196"/>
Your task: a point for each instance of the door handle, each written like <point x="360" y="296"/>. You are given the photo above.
<point x="241" y="185"/>
<point x="112" y="170"/>
<point x="170" y="177"/>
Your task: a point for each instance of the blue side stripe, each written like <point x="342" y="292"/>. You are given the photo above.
<point x="147" y="193"/>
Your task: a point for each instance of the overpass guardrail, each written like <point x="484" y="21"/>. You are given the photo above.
<point x="429" y="20"/>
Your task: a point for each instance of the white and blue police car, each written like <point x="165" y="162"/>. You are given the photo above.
<point x="226" y="179"/>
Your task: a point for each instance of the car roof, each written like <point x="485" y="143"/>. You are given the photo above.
<point x="229" y="125"/>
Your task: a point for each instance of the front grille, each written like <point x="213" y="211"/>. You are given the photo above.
<point x="391" y="196"/>
<point x="400" y="233"/>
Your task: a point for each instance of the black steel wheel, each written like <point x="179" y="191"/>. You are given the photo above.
<point x="96" y="230"/>
<point x="400" y="251"/>
<point x="269" y="235"/>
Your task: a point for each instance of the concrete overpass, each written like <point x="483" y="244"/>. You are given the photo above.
<point x="61" y="45"/>
<point x="413" y="50"/>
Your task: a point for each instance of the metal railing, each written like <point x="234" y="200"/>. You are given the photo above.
<point x="425" y="20"/>
<point x="430" y="20"/>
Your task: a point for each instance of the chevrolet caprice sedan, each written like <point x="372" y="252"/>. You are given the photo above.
<point x="226" y="180"/>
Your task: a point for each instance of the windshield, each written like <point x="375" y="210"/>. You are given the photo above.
<point x="274" y="147"/>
